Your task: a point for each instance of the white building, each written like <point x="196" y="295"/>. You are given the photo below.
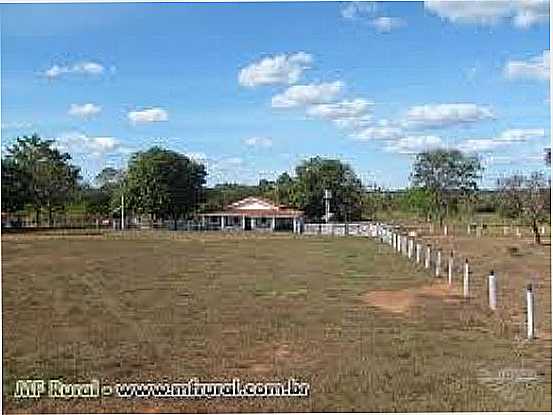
<point x="254" y="214"/>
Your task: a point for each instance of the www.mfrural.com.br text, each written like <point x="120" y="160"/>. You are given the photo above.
<point x="190" y="389"/>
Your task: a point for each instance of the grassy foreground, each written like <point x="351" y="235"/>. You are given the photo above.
<point x="150" y="307"/>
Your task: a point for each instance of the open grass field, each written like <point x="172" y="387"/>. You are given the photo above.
<point x="364" y="327"/>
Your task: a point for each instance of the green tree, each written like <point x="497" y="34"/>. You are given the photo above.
<point x="418" y="200"/>
<point x="315" y="175"/>
<point x="50" y="179"/>
<point x="527" y="198"/>
<point x="95" y="201"/>
<point x="286" y="190"/>
<point x="163" y="184"/>
<point x="448" y="175"/>
<point x="15" y="186"/>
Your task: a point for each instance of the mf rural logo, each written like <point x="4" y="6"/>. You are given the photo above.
<point x="36" y="388"/>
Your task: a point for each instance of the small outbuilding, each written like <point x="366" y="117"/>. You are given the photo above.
<point x="254" y="214"/>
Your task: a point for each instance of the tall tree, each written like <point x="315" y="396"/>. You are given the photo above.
<point x="315" y="175"/>
<point x="527" y="198"/>
<point x="449" y="175"/>
<point x="15" y="186"/>
<point x="164" y="184"/>
<point x="285" y="190"/>
<point x="51" y="178"/>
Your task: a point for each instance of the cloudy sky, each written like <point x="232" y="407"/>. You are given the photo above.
<point x="251" y="89"/>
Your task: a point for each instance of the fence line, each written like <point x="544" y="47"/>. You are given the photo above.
<point x="406" y="244"/>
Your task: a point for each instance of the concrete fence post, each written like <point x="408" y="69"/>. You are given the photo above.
<point x="518" y="232"/>
<point x="410" y="248"/>
<point x="393" y="240"/>
<point x="478" y="231"/>
<point x="427" y="258"/>
<point x="450" y="269"/>
<point x="445" y="230"/>
<point x="504" y="231"/>
<point x="438" y="262"/>
<point x="468" y="229"/>
<point x="492" y="291"/>
<point x="529" y="312"/>
<point x="399" y="242"/>
<point x="418" y="253"/>
<point x="466" y="279"/>
<point x="542" y="230"/>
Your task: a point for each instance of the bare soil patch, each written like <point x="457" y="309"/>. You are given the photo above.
<point x="403" y="301"/>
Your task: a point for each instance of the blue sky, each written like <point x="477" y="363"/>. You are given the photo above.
<point x="251" y="89"/>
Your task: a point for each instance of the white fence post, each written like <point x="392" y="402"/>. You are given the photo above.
<point x="466" y="279"/>
<point x="530" y="312"/>
<point x="399" y="241"/>
<point x="542" y="230"/>
<point x="427" y="259"/>
<point x="450" y="269"/>
<point x="478" y="231"/>
<point x="445" y="230"/>
<point x="504" y="231"/>
<point x="410" y="248"/>
<point x="518" y="232"/>
<point x="468" y="229"/>
<point x="438" y="262"/>
<point x="492" y="291"/>
<point x="418" y="253"/>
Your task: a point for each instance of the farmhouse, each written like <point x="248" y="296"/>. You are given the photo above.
<point x="254" y="213"/>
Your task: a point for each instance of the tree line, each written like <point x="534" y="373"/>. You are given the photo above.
<point x="164" y="184"/>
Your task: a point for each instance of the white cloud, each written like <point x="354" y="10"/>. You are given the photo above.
<point x="197" y="156"/>
<point x="258" y="142"/>
<point x="305" y="95"/>
<point x="78" y="143"/>
<point x="479" y="145"/>
<point x="354" y="123"/>
<point x="444" y="115"/>
<point x="341" y="110"/>
<point x="536" y="67"/>
<point x="521" y="135"/>
<point x="233" y="161"/>
<point x="358" y="10"/>
<point x="414" y="144"/>
<point x="365" y="12"/>
<point x="84" y="110"/>
<point x="87" y="68"/>
<point x="386" y="133"/>
<point x="521" y="13"/>
<point x="148" y="115"/>
<point x="16" y="125"/>
<point x="386" y="24"/>
<point x="507" y="137"/>
<point x="278" y="69"/>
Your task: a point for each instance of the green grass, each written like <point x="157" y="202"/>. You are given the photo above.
<point x="148" y="307"/>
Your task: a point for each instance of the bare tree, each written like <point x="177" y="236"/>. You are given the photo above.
<point x="526" y="198"/>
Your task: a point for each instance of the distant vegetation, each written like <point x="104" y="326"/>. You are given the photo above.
<point x="39" y="180"/>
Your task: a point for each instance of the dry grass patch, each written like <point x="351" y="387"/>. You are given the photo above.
<point x="158" y="307"/>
